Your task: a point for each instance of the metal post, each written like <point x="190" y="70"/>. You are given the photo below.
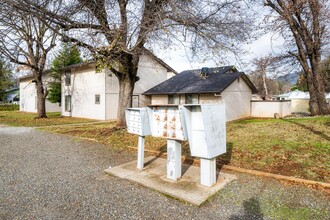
<point x="140" y="161"/>
<point x="173" y="159"/>
<point x="208" y="172"/>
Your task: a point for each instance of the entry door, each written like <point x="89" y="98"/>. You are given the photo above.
<point x="135" y="101"/>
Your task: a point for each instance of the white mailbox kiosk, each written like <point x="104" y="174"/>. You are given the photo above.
<point x="137" y="122"/>
<point x="206" y="131"/>
<point x="166" y="122"/>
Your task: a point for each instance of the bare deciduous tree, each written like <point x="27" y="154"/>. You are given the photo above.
<point x="116" y="31"/>
<point x="305" y="27"/>
<point x="26" y="40"/>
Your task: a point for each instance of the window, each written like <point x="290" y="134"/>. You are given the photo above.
<point x="68" y="103"/>
<point x="191" y="99"/>
<point x="97" y="99"/>
<point x="174" y="99"/>
<point x="67" y="78"/>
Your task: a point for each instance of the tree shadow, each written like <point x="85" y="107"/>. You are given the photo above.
<point x="252" y="210"/>
<point x="225" y="158"/>
<point x="187" y="163"/>
<point x="162" y="150"/>
<point x="319" y="133"/>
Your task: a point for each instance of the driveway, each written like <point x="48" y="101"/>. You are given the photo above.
<point x="49" y="176"/>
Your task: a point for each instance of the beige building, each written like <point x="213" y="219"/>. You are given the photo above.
<point x="300" y="100"/>
<point x="208" y="85"/>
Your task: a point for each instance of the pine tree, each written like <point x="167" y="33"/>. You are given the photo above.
<point x="68" y="55"/>
<point x="6" y="79"/>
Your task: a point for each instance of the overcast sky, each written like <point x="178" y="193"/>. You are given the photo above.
<point x="178" y="60"/>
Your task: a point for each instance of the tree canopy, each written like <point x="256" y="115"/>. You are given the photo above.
<point x="67" y="55"/>
<point x="6" y="78"/>
<point x="304" y="25"/>
<point x="26" y="40"/>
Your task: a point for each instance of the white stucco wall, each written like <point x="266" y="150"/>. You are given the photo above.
<point x="150" y="72"/>
<point x="28" y="95"/>
<point x="267" y="109"/>
<point x="85" y="84"/>
<point x="208" y="99"/>
<point x="28" y="100"/>
<point x="237" y="98"/>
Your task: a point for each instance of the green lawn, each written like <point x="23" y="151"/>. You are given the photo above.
<point x="293" y="147"/>
<point x="17" y="118"/>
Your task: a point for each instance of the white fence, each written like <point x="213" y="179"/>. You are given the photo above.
<point x="267" y="109"/>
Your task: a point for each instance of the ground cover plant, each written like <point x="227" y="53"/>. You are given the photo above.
<point x="16" y="118"/>
<point x="298" y="147"/>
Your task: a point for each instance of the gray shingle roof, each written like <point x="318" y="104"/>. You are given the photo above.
<point x="190" y="81"/>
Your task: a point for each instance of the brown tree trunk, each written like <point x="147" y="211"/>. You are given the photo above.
<point x="126" y="87"/>
<point x="265" y="85"/>
<point x="313" y="104"/>
<point x="41" y="96"/>
<point x="315" y="82"/>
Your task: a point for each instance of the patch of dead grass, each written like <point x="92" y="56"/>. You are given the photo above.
<point x="17" y="118"/>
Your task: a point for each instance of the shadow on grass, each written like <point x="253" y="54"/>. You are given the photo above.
<point x="160" y="154"/>
<point x="252" y="210"/>
<point x="226" y="158"/>
<point x="319" y="133"/>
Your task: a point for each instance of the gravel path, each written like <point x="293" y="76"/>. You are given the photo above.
<point x="49" y="176"/>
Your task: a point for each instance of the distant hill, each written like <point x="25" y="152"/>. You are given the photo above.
<point x="290" y="78"/>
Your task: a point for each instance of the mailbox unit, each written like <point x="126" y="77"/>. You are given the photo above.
<point x="206" y="129"/>
<point x="203" y="125"/>
<point x="166" y="122"/>
<point x="137" y="121"/>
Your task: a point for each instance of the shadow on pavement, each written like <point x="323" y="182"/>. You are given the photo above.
<point x="252" y="210"/>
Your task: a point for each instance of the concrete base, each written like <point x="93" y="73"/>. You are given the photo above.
<point x="154" y="174"/>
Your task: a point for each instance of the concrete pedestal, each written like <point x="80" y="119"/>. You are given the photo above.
<point x="173" y="159"/>
<point x="208" y="172"/>
<point x="140" y="160"/>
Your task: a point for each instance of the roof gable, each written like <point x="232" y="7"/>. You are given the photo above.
<point x="145" y="52"/>
<point x="190" y="81"/>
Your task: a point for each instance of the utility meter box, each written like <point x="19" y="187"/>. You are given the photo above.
<point x="206" y="129"/>
<point x="137" y="121"/>
<point x="166" y="122"/>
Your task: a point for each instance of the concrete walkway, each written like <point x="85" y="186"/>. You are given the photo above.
<point x="48" y="176"/>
